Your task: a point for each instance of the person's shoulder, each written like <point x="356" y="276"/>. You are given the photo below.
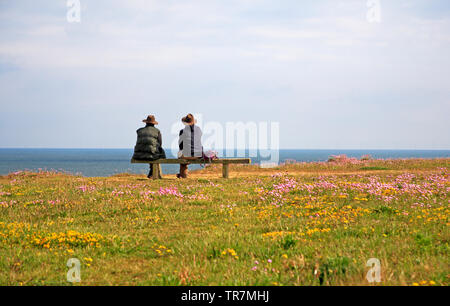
<point x="146" y="128"/>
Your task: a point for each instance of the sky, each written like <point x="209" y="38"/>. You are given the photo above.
<point x="331" y="78"/>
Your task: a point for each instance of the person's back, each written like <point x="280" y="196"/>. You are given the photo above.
<point x="147" y="144"/>
<point x="192" y="143"/>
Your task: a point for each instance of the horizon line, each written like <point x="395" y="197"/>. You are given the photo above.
<point x="246" y="149"/>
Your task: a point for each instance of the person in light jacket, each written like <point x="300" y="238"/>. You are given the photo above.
<point x="190" y="143"/>
<point x="149" y="143"/>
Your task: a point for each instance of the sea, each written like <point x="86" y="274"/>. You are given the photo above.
<point x="107" y="162"/>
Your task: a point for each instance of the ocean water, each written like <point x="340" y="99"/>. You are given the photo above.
<point x="106" y="162"/>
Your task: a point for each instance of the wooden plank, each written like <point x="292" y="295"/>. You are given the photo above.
<point x="193" y="161"/>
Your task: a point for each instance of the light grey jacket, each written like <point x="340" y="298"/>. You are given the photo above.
<point x="190" y="141"/>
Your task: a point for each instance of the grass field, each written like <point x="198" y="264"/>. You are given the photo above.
<point x="298" y="224"/>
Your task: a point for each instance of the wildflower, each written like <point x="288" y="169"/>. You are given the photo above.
<point x="170" y="191"/>
<point x="230" y="252"/>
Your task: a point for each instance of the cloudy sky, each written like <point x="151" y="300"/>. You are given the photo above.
<point x="331" y="78"/>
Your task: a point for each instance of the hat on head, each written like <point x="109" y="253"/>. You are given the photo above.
<point x="189" y="120"/>
<point x="150" y="119"/>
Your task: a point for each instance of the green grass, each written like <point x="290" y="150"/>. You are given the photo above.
<point x="374" y="168"/>
<point x="301" y="224"/>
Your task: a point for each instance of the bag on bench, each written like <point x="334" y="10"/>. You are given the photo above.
<point x="208" y="156"/>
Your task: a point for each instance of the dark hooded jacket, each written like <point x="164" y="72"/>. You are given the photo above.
<point x="148" y="144"/>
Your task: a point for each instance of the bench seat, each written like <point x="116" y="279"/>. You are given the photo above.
<point x="224" y="161"/>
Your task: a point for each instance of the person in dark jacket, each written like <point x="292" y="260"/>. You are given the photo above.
<point x="149" y="143"/>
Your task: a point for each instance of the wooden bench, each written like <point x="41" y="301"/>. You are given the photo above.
<point x="224" y="161"/>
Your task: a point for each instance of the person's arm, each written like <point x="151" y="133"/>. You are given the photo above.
<point x="160" y="139"/>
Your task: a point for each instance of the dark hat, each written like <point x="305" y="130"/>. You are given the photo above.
<point x="189" y="119"/>
<point x="150" y="119"/>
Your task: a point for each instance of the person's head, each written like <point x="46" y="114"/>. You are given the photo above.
<point x="189" y="120"/>
<point x="150" y="120"/>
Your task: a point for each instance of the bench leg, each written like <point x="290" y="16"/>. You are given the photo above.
<point x="157" y="172"/>
<point x="225" y="170"/>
